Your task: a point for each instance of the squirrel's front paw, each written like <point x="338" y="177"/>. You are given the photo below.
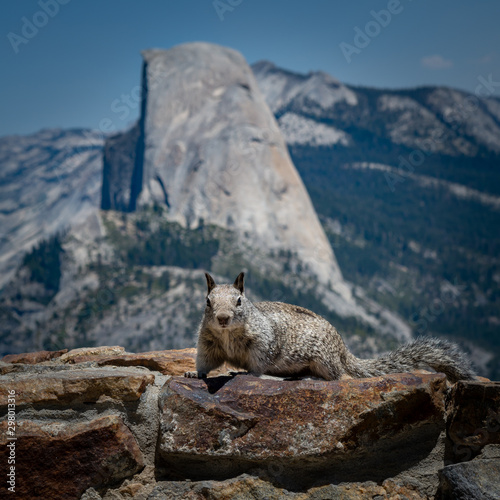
<point x="195" y="375"/>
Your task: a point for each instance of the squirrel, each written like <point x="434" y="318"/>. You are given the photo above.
<point x="284" y="340"/>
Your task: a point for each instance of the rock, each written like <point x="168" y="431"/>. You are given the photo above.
<point x="313" y="93"/>
<point x="32" y="358"/>
<point x="60" y="460"/>
<point x="235" y="437"/>
<point x="65" y="172"/>
<point x="307" y="431"/>
<point x="245" y="486"/>
<point x="91" y="352"/>
<point x="210" y="150"/>
<point x="473" y="418"/>
<point x="75" y="386"/>
<point x="172" y="362"/>
<point x="475" y="480"/>
<point x="7" y="368"/>
<point x="118" y="170"/>
<point x="242" y="487"/>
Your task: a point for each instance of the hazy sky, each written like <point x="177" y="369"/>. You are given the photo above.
<point x="65" y="62"/>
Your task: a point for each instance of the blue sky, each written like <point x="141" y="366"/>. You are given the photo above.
<point x="85" y="54"/>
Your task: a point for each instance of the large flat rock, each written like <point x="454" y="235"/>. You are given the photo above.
<point x="33" y="358"/>
<point x="71" y="386"/>
<point x="60" y="460"/>
<point x="306" y="431"/>
<point x="171" y="362"/>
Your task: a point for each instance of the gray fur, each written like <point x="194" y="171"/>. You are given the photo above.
<point x="274" y="338"/>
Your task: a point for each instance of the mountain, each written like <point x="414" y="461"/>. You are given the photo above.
<point x="209" y="150"/>
<point x="429" y="119"/>
<point x="203" y="181"/>
<point x="48" y="181"/>
<point x="404" y="183"/>
<point x="407" y="186"/>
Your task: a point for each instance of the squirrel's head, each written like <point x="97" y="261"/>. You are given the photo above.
<point x="225" y="304"/>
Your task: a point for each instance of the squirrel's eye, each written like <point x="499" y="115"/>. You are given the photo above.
<point x="208" y="303"/>
<point x="239" y="301"/>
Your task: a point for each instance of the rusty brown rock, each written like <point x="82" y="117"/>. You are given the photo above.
<point x="309" y="430"/>
<point x="172" y="362"/>
<point x="92" y="352"/>
<point x="473" y="418"/>
<point x="32" y="358"/>
<point x="7" y="368"/>
<point x="60" y="460"/>
<point x="74" y="386"/>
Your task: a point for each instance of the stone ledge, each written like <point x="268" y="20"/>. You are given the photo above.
<point x="32" y="358"/>
<point x="175" y="362"/>
<point x="241" y="435"/>
<point x="88" y="385"/>
<point x="475" y="480"/>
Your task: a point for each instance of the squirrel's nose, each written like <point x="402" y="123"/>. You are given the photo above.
<point x="223" y="318"/>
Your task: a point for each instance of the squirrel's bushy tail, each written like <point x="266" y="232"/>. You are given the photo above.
<point x="424" y="352"/>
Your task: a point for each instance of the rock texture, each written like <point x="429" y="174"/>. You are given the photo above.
<point x="223" y="427"/>
<point x="135" y="432"/>
<point x="210" y="149"/>
<point x="174" y="362"/>
<point x="59" y="460"/>
<point x="245" y="487"/>
<point x="75" y="386"/>
<point x="473" y="418"/>
<point x="436" y="119"/>
<point x="476" y="480"/>
<point x="32" y="358"/>
<point x="64" y="168"/>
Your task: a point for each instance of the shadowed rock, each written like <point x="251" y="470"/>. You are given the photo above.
<point x="246" y="486"/>
<point x="476" y="480"/>
<point x="60" y="460"/>
<point x="473" y="419"/>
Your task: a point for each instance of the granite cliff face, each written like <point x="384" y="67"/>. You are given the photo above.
<point x="208" y="147"/>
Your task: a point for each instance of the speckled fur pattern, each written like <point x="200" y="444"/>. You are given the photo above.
<point x="274" y="338"/>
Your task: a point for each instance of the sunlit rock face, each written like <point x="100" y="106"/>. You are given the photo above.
<point x="210" y="149"/>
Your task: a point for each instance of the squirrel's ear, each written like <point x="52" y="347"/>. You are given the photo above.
<point x="238" y="283"/>
<point x="210" y="282"/>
